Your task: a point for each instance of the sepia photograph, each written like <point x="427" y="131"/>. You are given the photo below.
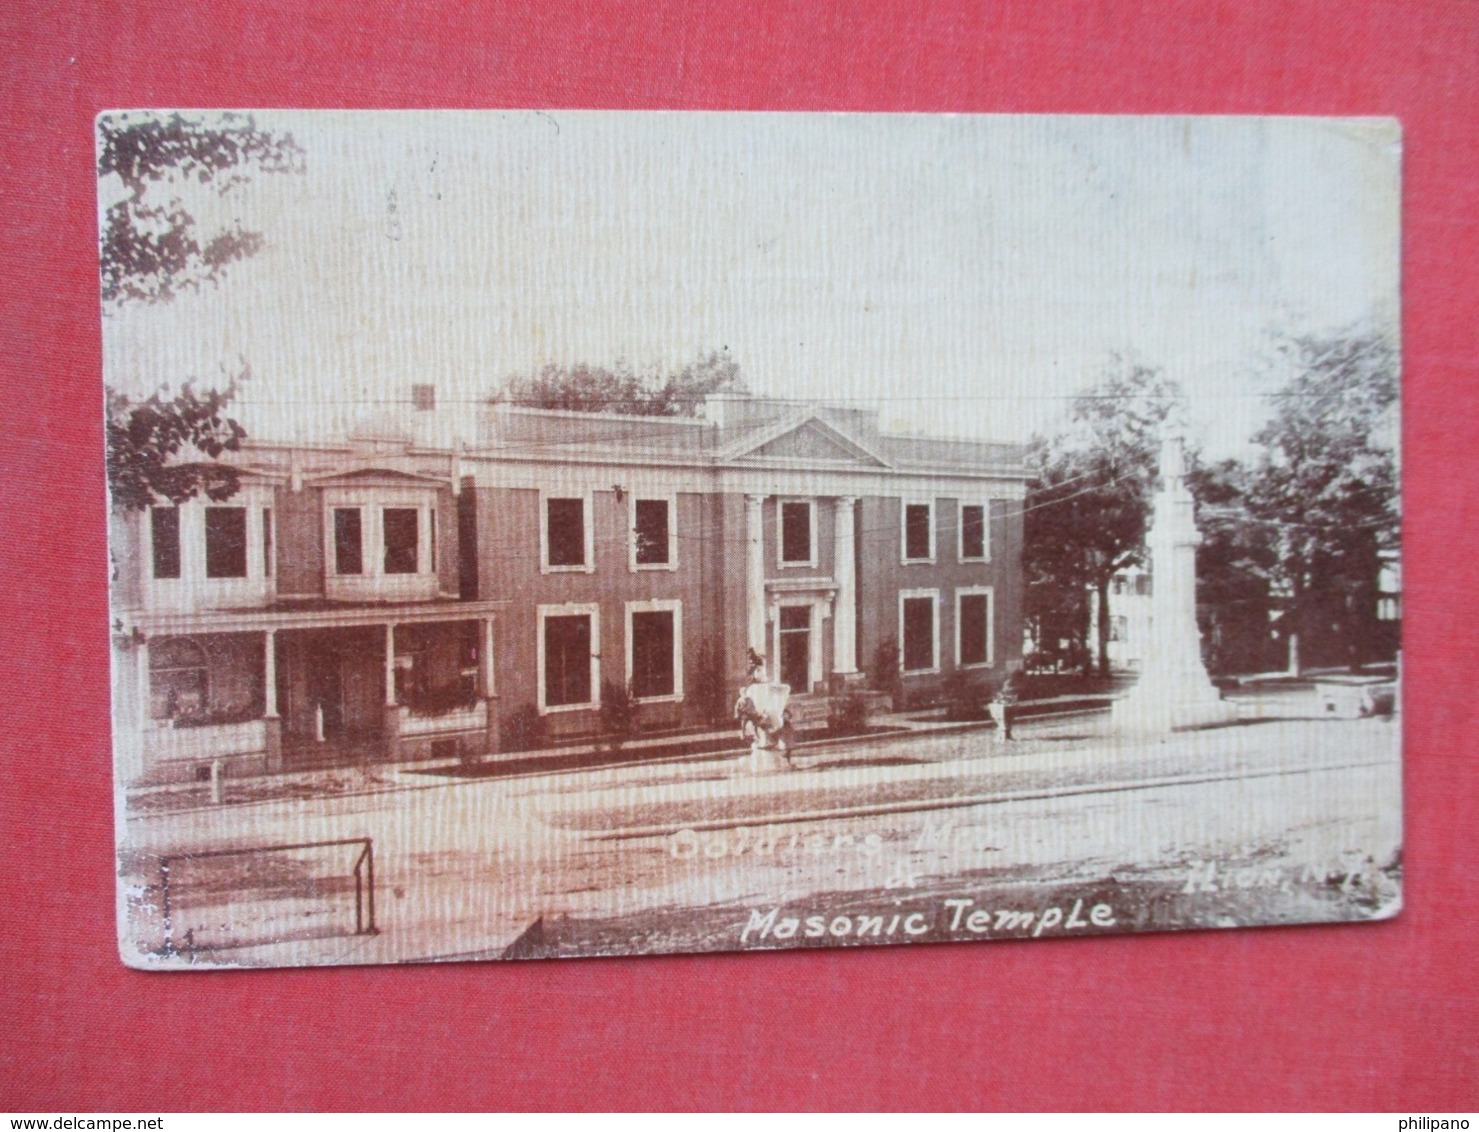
<point x="574" y="534"/>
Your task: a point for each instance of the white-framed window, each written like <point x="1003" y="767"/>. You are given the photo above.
<point x="974" y="544"/>
<point x="655" y="650"/>
<point x="569" y="656"/>
<point x="164" y="543"/>
<point x="380" y="543"/>
<point x="204" y="551"/>
<point x="975" y="626"/>
<point x="566" y="533"/>
<point x="917" y="530"/>
<point x="919" y="631"/>
<point x="796" y="532"/>
<point x="653" y="525"/>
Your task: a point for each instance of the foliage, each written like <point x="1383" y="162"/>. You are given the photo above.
<point x="441" y="700"/>
<point x="618" y="712"/>
<point x="847" y="714"/>
<point x="883" y="671"/>
<point x="144" y="437"/>
<point x="1088" y="499"/>
<point x="966" y="696"/>
<point x="1325" y="489"/>
<point x="524" y="729"/>
<point x="597" y="389"/>
<point x="1235" y="566"/>
<point x="150" y="245"/>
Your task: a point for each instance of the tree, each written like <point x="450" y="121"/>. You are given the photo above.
<point x="149" y="249"/>
<point x="598" y="389"/>
<point x="150" y="246"/>
<point x="1326" y="486"/>
<point x="1088" y="498"/>
<point x="145" y="438"/>
<point x="1236" y="568"/>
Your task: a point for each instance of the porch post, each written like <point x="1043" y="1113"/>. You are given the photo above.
<point x="755" y="572"/>
<point x="271" y="720"/>
<point x="390" y="664"/>
<point x="844" y="568"/>
<point x="487" y="686"/>
<point x="392" y="728"/>
<point x="269" y="673"/>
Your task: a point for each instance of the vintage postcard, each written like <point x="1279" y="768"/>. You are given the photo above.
<point x="546" y="534"/>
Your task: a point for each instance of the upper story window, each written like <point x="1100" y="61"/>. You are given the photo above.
<point x="798" y="523"/>
<point x="654" y="539"/>
<point x="380" y="543"/>
<point x="402" y="539"/>
<point x="566" y="533"/>
<point x="919" y="532"/>
<point x="349" y="541"/>
<point x="201" y="552"/>
<point x="164" y="537"/>
<point x="974" y="540"/>
<point x="225" y="542"/>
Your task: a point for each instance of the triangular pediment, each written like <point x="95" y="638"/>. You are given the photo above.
<point x="809" y="441"/>
<point x="376" y="475"/>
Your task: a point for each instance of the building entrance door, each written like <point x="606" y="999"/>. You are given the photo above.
<point x="795" y="634"/>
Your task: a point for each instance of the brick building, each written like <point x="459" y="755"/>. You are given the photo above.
<point x="395" y="595"/>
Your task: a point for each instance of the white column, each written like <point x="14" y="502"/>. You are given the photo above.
<point x="485" y="658"/>
<point x="844" y="569"/>
<point x="390" y="665"/>
<point x="141" y="675"/>
<point x="269" y="673"/>
<point x="755" y="571"/>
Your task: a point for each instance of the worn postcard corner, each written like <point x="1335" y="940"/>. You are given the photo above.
<point x="572" y="534"/>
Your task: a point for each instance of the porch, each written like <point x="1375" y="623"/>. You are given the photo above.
<point x="230" y="694"/>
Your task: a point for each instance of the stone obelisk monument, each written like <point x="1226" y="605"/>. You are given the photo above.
<point x="1174" y="689"/>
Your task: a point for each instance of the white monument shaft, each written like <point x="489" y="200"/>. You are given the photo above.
<point x="1174" y="689"/>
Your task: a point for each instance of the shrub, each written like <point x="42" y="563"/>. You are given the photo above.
<point x="524" y="729"/>
<point x="966" y="697"/>
<point x="883" y="672"/>
<point x="847" y="715"/>
<point x="618" y="713"/>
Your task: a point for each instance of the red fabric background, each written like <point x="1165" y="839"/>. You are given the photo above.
<point x="1377" y="1017"/>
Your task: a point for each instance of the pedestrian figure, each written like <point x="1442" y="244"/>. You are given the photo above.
<point x="765" y="719"/>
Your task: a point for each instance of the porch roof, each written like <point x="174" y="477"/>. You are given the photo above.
<point x="316" y="614"/>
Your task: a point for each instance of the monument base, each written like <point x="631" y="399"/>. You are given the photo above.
<point x="1159" y="712"/>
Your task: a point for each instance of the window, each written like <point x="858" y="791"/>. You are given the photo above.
<point x="225" y="542"/>
<point x="569" y="664"/>
<point x="177" y="677"/>
<point x="917" y="630"/>
<point x="164" y="534"/>
<point x="349" y="555"/>
<point x="973" y="627"/>
<point x="798" y="522"/>
<point x="267" y="542"/>
<point x="973" y="539"/>
<point x="655" y="649"/>
<point x="652" y="532"/>
<point x="565" y="533"/>
<point x="919" y="532"/>
<point x="401" y="535"/>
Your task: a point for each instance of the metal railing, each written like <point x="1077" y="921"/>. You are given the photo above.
<point x="363" y="871"/>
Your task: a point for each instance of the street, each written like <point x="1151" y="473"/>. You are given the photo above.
<point x="914" y="837"/>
